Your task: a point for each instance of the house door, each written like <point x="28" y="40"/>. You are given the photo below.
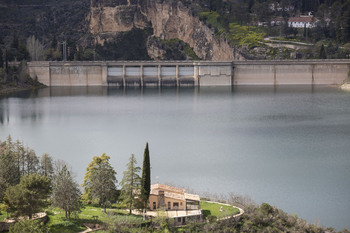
<point x="154" y="205"/>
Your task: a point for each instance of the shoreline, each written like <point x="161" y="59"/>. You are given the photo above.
<point x="11" y="88"/>
<point x="345" y="86"/>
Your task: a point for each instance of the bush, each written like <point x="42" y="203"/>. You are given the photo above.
<point x="212" y="218"/>
<point x="28" y="226"/>
<point x="206" y="213"/>
<point x="211" y="18"/>
<point x="244" y="35"/>
<point x="266" y="209"/>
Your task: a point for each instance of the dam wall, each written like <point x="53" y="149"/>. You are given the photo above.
<point x="190" y="73"/>
<point x="307" y="72"/>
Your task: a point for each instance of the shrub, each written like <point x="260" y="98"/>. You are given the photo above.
<point x="266" y="209"/>
<point x="28" y="226"/>
<point x="212" y="218"/>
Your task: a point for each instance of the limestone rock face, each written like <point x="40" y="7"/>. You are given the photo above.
<point x="113" y="16"/>
<point x="169" y="19"/>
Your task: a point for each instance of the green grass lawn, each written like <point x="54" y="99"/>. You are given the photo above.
<point x="58" y="222"/>
<point x="214" y="209"/>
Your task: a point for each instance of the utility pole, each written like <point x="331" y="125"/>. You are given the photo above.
<point x="64" y="50"/>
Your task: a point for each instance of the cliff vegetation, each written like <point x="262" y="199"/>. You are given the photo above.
<point x="202" y="29"/>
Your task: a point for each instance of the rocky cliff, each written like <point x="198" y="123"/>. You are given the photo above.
<point x="169" y="19"/>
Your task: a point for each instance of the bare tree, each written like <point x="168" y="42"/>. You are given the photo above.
<point x="65" y="192"/>
<point x="46" y="167"/>
<point x="58" y="165"/>
<point x="35" y="49"/>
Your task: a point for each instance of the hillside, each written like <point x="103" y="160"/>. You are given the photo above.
<point x="174" y="29"/>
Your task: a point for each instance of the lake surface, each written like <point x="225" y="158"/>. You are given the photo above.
<point x="287" y="146"/>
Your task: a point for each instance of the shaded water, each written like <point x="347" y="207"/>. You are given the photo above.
<point x="288" y="146"/>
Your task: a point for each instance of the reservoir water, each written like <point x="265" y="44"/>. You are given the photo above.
<point x="287" y="146"/>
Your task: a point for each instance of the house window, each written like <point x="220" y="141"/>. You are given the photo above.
<point x="169" y="205"/>
<point x="175" y="205"/>
<point x="154" y="205"/>
<point x="180" y="203"/>
<point x="178" y="219"/>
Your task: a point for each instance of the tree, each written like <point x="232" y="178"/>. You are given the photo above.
<point x="131" y="182"/>
<point x="15" y="162"/>
<point x="1" y="59"/>
<point x="9" y="173"/>
<point x="29" y="226"/>
<point x="96" y="161"/>
<point x="31" y="162"/>
<point x="322" y="52"/>
<point x="6" y="62"/>
<point x="100" y="181"/>
<point x="29" y="196"/>
<point x="46" y="167"/>
<point x="262" y="11"/>
<point x="65" y="192"/>
<point x="146" y="177"/>
<point x="15" y="41"/>
<point x="35" y="49"/>
<point x="27" y="161"/>
<point x="22" y="52"/>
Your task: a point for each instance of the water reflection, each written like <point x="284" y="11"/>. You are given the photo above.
<point x="76" y="91"/>
<point x="134" y="91"/>
<point x="4" y="112"/>
<point x="113" y="91"/>
<point x="35" y="112"/>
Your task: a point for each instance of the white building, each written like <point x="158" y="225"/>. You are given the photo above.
<point x="301" y="22"/>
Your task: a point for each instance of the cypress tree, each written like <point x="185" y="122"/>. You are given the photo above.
<point x="1" y="59"/>
<point x="6" y="62"/>
<point x="146" y="176"/>
<point x="323" y="52"/>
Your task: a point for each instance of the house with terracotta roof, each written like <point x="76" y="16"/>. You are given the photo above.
<point x="176" y="203"/>
<point x="301" y="22"/>
<point x="172" y="198"/>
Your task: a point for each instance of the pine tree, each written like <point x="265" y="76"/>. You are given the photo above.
<point x="146" y="177"/>
<point x="29" y="196"/>
<point x="9" y="174"/>
<point x="131" y="182"/>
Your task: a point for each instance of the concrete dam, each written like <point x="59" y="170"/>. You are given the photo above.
<point x="190" y="73"/>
